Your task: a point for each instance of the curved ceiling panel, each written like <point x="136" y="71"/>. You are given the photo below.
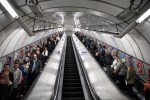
<point x="112" y="41"/>
<point x="83" y="10"/>
<point x="26" y="41"/>
<point x="8" y="30"/>
<point x="31" y="39"/>
<point x="135" y="47"/>
<point x="106" y="39"/>
<point x="143" y="45"/>
<point x="26" y="9"/>
<point x="20" y="2"/>
<point x="144" y="29"/>
<point x="119" y="44"/>
<point x="119" y="3"/>
<point x="128" y="48"/>
<point x="39" y="35"/>
<point x="5" y="19"/>
<point x="99" y="6"/>
<point x="12" y="43"/>
<point x="6" y="41"/>
<point x="21" y="41"/>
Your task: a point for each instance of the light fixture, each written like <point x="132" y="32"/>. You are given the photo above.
<point x="9" y="8"/>
<point x="143" y="17"/>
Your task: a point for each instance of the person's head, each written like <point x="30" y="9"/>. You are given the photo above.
<point x="28" y="54"/>
<point x="100" y="45"/>
<point x="35" y="56"/>
<point x="6" y="67"/>
<point x="104" y="47"/>
<point x="37" y="52"/>
<point x="4" y="74"/>
<point x="25" y="62"/>
<point x="115" y="56"/>
<point x="45" y="48"/>
<point x="27" y="59"/>
<point x="38" y="48"/>
<point x="16" y="64"/>
<point x="107" y="52"/>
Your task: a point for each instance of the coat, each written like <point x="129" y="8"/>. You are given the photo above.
<point x="38" y="67"/>
<point x="130" y="78"/>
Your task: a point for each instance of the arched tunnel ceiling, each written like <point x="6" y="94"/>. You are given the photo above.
<point x="87" y="12"/>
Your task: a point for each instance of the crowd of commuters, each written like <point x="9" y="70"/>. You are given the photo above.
<point x="16" y="83"/>
<point x="116" y="67"/>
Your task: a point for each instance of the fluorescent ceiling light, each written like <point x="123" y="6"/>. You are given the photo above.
<point x="9" y="8"/>
<point x="144" y="16"/>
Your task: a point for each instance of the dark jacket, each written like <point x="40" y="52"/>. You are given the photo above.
<point x="11" y="76"/>
<point x="38" y="67"/>
<point x="108" y="59"/>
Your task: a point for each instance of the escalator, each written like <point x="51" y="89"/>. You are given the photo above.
<point x="72" y="88"/>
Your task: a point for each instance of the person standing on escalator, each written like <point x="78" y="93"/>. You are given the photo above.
<point x="108" y="60"/>
<point x="130" y="80"/>
<point x="34" y="69"/>
<point x="119" y="71"/>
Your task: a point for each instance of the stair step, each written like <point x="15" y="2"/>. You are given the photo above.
<point x="72" y="94"/>
<point x="72" y="80"/>
<point x="80" y="98"/>
<point x="71" y="71"/>
<point x="72" y="84"/>
<point x="72" y="76"/>
<point x="72" y="89"/>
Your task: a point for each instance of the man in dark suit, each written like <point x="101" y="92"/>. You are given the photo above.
<point x="34" y="69"/>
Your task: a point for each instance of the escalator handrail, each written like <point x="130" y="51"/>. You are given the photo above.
<point x="57" y="83"/>
<point x="92" y="90"/>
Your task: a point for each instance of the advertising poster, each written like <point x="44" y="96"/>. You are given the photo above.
<point x="21" y="53"/>
<point x="8" y="60"/>
<point x="26" y="50"/>
<point x="122" y="56"/>
<point x="16" y="56"/>
<point x="31" y="48"/>
<point x="140" y="67"/>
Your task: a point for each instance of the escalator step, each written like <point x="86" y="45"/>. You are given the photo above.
<point x="71" y="74"/>
<point x="71" y="77"/>
<point x="74" y="89"/>
<point x="71" y="71"/>
<point x="72" y="84"/>
<point x="73" y="94"/>
<point x="73" y="98"/>
<point x="72" y="80"/>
